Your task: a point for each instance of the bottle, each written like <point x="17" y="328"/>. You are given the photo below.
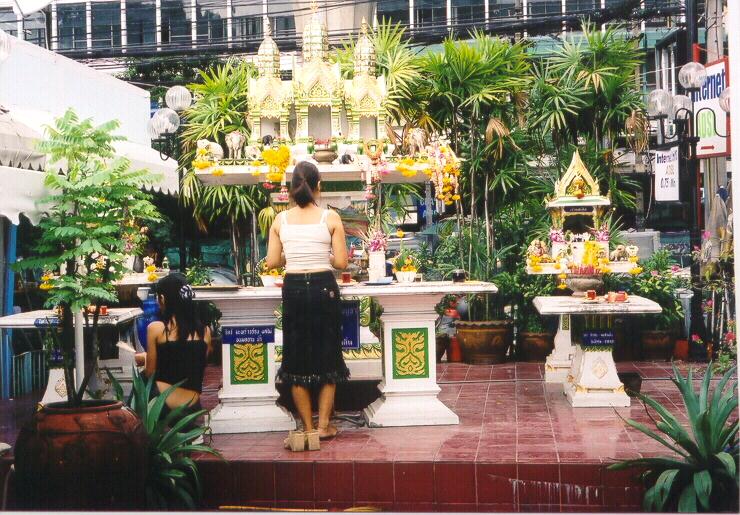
<point x="151" y="313"/>
<point x="165" y="263"/>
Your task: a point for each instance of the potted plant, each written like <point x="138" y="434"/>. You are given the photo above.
<point x="657" y="282"/>
<point x="270" y="277"/>
<point x="700" y="470"/>
<point x="84" y="454"/>
<point x="485" y="332"/>
<point x="534" y="341"/>
<point x="405" y="266"/>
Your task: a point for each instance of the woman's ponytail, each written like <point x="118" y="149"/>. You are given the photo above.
<point x="304" y="184"/>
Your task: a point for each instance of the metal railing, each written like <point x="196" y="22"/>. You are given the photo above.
<point x="30" y="372"/>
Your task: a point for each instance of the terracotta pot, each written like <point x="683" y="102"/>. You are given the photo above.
<point x="534" y="347"/>
<point x="484" y="343"/>
<point x="325" y="156"/>
<point x="443" y="342"/>
<point x="93" y="457"/>
<point x="657" y="345"/>
<point x="681" y="350"/>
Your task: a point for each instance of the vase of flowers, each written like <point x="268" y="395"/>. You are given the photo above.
<point x="270" y="277"/>
<point x="376" y="244"/>
<point x="406" y="266"/>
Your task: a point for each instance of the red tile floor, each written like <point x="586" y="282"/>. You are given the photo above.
<point x="519" y="447"/>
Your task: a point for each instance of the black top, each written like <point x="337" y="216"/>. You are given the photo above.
<point x="182" y="360"/>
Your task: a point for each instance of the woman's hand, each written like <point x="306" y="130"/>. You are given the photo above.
<point x="140" y="359"/>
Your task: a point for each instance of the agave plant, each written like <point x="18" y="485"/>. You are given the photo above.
<point x="173" y="478"/>
<point x="702" y="473"/>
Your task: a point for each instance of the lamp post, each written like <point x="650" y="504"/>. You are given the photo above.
<point x="662" y="105"/>
<point x="163" y="131"/>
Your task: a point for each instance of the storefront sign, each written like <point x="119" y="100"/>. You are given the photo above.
<point x="710" y="118"/>
<point x="666" y="175"/>
<point x="350" y="324"/>
<point x="597" y="338"/>
<point x="249" y="334"/>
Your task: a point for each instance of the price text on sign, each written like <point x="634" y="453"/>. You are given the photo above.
<point x="249" y="334"/>
<point x="666" y="175"/>
<point x="350" y="324"/>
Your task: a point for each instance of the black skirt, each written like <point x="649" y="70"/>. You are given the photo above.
<point x="312" y="331"/>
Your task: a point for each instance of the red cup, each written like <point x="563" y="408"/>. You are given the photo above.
<point x="591" y="294"/>
<point x="346" y="277"/>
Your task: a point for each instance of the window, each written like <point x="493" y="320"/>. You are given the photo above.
<point x="282" y="18"/>
<point x="581" y="6"/>
<point x="175" y="21"/>
<point x="34" y="29"/>
<point x="500" y="9"/>
<point x="396" y="11"/>
<point x="8" y="21"/>
<point x="430" y="13"/>
<point x="141" y="22"/>
<point x="246" y="21"/>
<point x="106" y="24"/>
<point x="540" y="7"/>
<point x="71" y="27"/>
<point x="466" y="11"/>
<point x="210" y="20"/>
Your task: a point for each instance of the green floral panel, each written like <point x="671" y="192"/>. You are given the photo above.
<point x="410" y="353"/>
<point x="248" y="363"/>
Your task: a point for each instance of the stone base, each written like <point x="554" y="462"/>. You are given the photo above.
<point x="556" y="371"/>
<point x="409" y="409"/>
<point x="584" y="398"/>
<point x="247" y="416"/>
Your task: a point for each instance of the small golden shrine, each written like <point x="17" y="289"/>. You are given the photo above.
<point x="269" y="96"/>
<point x="317" y="86"/>
<point x="365" y="93"/>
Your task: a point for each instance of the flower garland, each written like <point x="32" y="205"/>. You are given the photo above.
<point x="445" y="169"/>
<point x="277" y="160"/>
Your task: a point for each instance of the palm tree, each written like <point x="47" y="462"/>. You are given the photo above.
<point x="220" y="107"/>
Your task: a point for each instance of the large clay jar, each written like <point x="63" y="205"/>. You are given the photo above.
<point x="92" y="457"/>
<point x="657" y="345"/>
<point x="534" y="347"/>
<point x="484" y="343"/>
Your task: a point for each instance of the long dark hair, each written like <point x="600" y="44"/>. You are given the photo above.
<point x="304" y="183"/>
<point x="179" y="305"/>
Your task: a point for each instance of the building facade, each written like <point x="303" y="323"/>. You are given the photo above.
<point x="105" y="28"/>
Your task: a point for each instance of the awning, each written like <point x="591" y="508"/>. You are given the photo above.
<point x="18" y="144"/>
<point x="141" y="156"/>
<point x="20" y="192"/>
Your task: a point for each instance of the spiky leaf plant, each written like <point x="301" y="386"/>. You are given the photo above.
<point x="702" y="472"/>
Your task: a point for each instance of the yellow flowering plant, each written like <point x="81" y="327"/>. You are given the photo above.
<point x="406" y="261"/>
<point x="263" y="269"/>
<point x="277" y="159"/>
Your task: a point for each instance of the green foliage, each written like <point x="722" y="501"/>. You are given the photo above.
<point x="198" y="274"/>
<point x="526" y="288"/>
<point x="660" y="286"/>
<point x="173" y="480"/>
<point x="90" y="224"/>
<point x="701" y="474"/>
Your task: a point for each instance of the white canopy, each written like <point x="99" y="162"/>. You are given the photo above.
<point x="20" y="191"/>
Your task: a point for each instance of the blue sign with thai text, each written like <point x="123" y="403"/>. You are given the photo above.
<point x="597" y="338"/>
<point x="46" y="322"/>
<point x="350" y="324"/>
<point x="248" y="334"/>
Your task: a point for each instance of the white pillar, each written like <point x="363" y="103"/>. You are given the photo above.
<point x="79" y="348"/>
<point x="486" y="11"/>
<point x="193" y="22"/>
<point x="411" y="14"/>
<point x="562" y="13"/>
<point x="54" y="32"/>
<point x="525" y="15"/>
<point x="732" y="23"/>
<point x="158" y="20"/>
<point x="229" y="14"/>
<point x="124" y="30"/>
<point x="449" y="14"/>
<point x="88" y="23"/>
<point x="19" y="25"/>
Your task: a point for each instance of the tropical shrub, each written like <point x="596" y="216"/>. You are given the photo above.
<point x="173" y="478"/>
<point x="701" y="474"/>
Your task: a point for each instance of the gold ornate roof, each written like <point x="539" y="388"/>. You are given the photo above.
<point x="577" y="187"/>
<point x="364" y="53"/>
<point x="268" y="55"/>
<point x="315" y="37"/>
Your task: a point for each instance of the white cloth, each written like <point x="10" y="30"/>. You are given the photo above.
<point x="306" y="246"/>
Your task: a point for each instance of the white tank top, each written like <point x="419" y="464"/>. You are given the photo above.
<point x="306" y="246"/>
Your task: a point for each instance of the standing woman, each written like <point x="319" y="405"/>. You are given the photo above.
<point x="310" y="242"/>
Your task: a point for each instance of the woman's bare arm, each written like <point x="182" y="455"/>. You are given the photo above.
<point x="339" y="258"/>
<point x="275" y="258"/>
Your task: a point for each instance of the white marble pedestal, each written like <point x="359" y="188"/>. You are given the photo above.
<point x="559" y="361"/>
<point x="409" y="387"/>
<point x="592" y="380"/>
